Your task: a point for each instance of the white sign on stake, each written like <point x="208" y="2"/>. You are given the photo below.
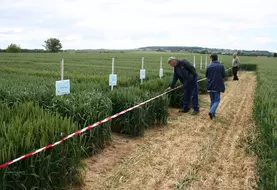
<point x="194" y="61"/>
<point x="161" y="68"/>
<point x="201" y="63"/>
<point x="142" y="71"/>
<point x="161" y="73"/>
<point x="206" y="62"/>
<point x="112" y="80"/>
<point x="62" y="69"/>
<point x="62" y="86"/>
<point x="112" y="77"/>
<point x="142" y="74"/>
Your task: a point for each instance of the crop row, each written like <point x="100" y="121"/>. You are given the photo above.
<point x="265" y="114"/>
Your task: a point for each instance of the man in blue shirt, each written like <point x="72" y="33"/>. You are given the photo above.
<point x="215" y="74"/>
<point x="186" y="73"/>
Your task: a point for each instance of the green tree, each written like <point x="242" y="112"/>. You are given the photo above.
<point x="13" y="48"/>
<point x="275" y="55"/>
<point x="204" y="52"/>
<point x="52" y="45"/>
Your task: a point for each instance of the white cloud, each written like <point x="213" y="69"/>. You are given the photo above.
<point x="264" y="40"/>
<point x="131" y="24"/>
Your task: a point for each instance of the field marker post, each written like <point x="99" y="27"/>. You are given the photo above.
<point x="161" y="68"/>
<point x="201" y="62"/>
<point x="142" y="71"/>
<point x="206" y="62"/>
<point x="62" y="69"/>
<point x="62" y="86"/>
<point x="112" y="77"/>
<point x="194" y="61"/>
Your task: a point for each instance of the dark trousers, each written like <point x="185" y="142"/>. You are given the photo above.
<point x="235" y="73"/>
<point x="191" y="94"/>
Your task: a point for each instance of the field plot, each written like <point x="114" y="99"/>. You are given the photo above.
<point x="30" y="79"/>
<point x="192" y="152"/>
<point x="32" y="117"/>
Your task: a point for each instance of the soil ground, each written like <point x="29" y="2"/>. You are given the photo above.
<point x="191" y="152"/>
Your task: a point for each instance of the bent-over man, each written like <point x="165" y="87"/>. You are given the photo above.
<point x="186" y="73"/>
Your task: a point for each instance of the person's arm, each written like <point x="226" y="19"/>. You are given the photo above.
<point x="174" y="80"/>
<point x="207" y="72"/>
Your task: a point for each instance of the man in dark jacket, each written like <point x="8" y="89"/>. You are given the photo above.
<point x="215" y="74"/>
<point x="186" y="73"/>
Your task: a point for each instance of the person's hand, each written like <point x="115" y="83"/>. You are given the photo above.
<point x="169" y="88"/>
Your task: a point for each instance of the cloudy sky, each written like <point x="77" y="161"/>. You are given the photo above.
<point x="236" y="24"/>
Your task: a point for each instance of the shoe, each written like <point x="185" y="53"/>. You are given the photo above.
<point x="195" y="112"/>
<point x="183" y="111"/>
<point x="211" y="115"/>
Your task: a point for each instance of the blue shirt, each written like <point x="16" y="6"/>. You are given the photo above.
<point x="215" y="74"/>
<point x="184" y="72"/>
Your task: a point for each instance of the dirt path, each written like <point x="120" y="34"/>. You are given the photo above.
<point x="191" y="152"/>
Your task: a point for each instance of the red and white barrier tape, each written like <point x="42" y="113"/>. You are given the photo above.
<point x="88" y="128"/>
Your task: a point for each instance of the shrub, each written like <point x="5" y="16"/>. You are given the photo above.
<point x="13" y="48"/>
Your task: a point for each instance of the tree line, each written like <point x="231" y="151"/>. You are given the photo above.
<point x="50" y="45"/>
<point x="55" y="45"/>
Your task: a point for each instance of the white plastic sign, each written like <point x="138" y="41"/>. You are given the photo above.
<point x="161" y="72"/>
<point x="113" y="80"/>
<point x="62" y="87"/>
<point x="142" y="74"/>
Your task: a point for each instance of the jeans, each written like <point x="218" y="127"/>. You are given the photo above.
<point x="215" y="99"/>
<point x="191" y="94"/>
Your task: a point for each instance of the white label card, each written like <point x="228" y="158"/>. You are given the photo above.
<point x="62" y="87"/>
<point x="112" y="79"/>
<point x="142" y="74"/>
<point x="161" y="72"/>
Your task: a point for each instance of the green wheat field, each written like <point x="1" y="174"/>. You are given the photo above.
<point x="32" y="116"/>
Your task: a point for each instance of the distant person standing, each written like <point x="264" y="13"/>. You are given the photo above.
<point x="186" y="73"/>
<point x="235" y="66"/>
<point x="215" y="74"/>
